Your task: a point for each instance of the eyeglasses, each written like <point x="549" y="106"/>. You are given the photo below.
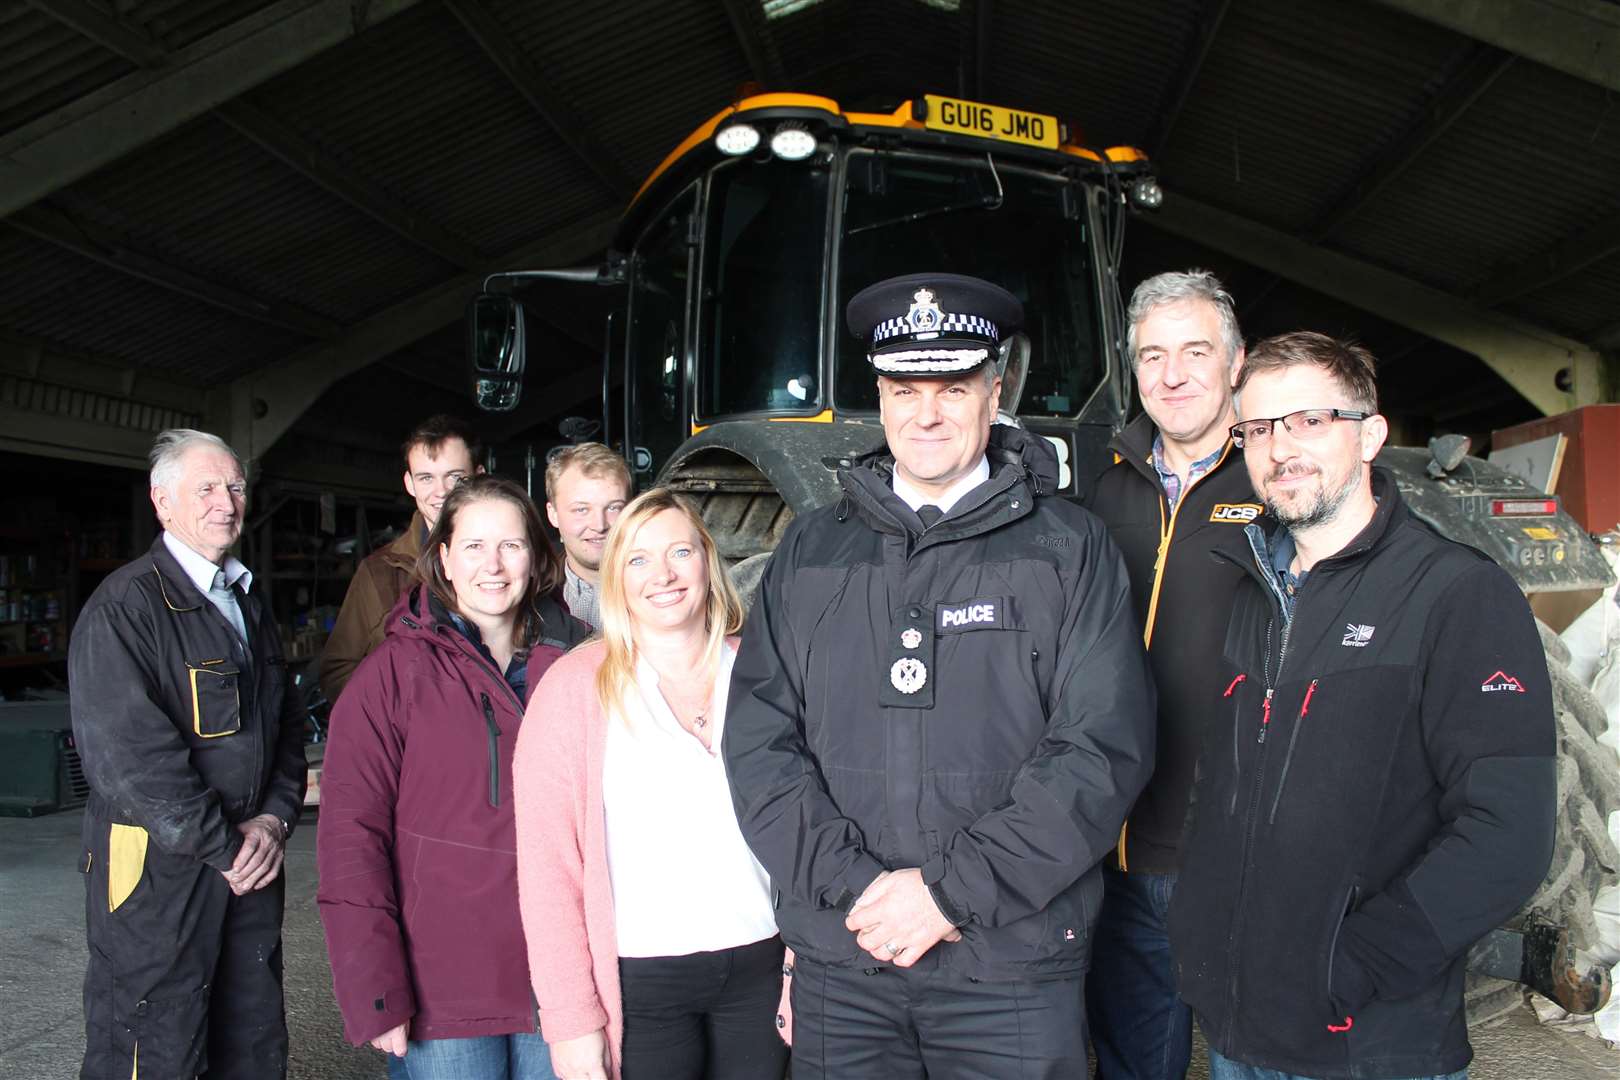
<point x="1304" y="424"/>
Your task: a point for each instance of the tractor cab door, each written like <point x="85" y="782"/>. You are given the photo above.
<point x="657" y="340"/>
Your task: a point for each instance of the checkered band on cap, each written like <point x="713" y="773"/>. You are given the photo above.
<point x="948" y="325"/>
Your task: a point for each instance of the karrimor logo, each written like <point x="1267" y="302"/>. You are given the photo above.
<point x="1501" y="681"/>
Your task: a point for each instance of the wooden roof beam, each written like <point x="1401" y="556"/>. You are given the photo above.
<point x="263" y="404"/>
<point x="1568" y="256"/>
<point x="545" y="98"/>
<point x="69" y="143"/>
<point x="1474" y="74"/>
<point x="281" y="141"/>
<point x="93" y="243"/>
<point x="1528" y="357"/>
<point x="107" y="29"/>
<point x="757" y="42"/>
<point x="1578" y="37"/>
<point x="1196" y="53"/>
<point x="359" y="191"/>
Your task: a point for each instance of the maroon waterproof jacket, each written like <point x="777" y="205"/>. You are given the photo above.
<point x="416" y="846"/>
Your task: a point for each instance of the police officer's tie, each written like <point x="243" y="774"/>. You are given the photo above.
<point x="225" y="599"/>
<point x="929" y="513"/>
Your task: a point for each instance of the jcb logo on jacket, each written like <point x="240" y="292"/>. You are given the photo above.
<point x="1235" y="513"/>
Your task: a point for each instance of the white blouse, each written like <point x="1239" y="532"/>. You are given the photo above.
<point x="684" y="880"/>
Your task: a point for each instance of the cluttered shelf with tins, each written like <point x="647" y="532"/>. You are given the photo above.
<point x="304" y="548"/>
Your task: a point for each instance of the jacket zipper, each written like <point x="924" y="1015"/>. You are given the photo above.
<point x="494" y="750"/>
<point x="1252" y="823"/>
<point x="1236" y="757"/>
<point x="1167" y="530"/>
<point x="1288" y="758"/>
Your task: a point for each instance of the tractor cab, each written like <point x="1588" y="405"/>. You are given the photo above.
<point x="731" y="369"/>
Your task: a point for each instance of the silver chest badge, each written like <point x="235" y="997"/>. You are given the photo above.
<point x="911" y="637"/>
<point x="908" y="675"/>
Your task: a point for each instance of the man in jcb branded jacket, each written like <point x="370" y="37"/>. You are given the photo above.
<point x="1378" y="791"/>
<point x="1176" y="491"/>
<point x="193" y="747"/>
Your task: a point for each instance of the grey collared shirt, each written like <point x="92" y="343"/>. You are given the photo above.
<point x="214" y="581"/>
<point x="583" y="599"/>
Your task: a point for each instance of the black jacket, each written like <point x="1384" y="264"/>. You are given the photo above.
<point x="1183" y="600"/>
<point x="1379" y="794"/>
<point x="1005" y="775"/>
<point x="180" y="730"/>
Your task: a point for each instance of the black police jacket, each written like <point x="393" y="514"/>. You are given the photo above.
<point x="181" y="731"/>
<point x="1182" y="597"/>
<point x="972" y="700"/>
<point x="1379" y="793"/>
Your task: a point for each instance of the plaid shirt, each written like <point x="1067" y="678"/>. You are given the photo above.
<point x="1173" y="485"/>
<point x="583" y="601"/>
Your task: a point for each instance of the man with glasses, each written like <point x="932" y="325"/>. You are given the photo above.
<point x="441" y="452"/>
<point x="1176" y="491"/>
<point x="1377" y="785"/>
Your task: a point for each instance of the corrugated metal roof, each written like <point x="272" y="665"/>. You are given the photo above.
<point x="1298" y="99"/>
<point x="59" y="297"/>
<point x="45" y="65"/>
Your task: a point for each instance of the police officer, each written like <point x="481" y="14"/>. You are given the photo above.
<point x="939" y="715"/>
<point x="193" y="750"/>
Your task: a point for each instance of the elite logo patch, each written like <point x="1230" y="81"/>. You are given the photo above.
<point x="1499" y="682"/>
<point x="982" y="614"/>
<point x="1235" y="513"/>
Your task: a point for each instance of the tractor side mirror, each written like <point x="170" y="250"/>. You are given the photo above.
<point x="1014" y="367"/>
<point x="495" y="351"/>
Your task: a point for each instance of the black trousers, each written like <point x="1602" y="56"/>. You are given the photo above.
<point x="885" y="1023"/>
<point x="703" y="1016"/>
<point x="184" y="978"/>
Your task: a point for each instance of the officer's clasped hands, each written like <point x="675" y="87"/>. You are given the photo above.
<point x="897" y="921"/>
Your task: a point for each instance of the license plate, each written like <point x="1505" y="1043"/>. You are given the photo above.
<point x="990" y="122"/>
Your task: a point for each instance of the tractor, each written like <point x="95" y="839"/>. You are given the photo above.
<point x="728" y="373"/>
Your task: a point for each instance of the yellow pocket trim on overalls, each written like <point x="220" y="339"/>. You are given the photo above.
<point x="196" y="699"/>
<point x="126" y="858"/>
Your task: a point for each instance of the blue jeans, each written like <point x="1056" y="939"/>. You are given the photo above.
<point x="1222" y="1068"/>
<point x="484" y="1057"/>
<point x="1140" y="1029"/>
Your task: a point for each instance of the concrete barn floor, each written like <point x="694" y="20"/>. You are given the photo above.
<point x="42" y="965"/>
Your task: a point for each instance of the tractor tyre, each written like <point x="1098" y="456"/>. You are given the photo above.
<point x="1584" y="858"/>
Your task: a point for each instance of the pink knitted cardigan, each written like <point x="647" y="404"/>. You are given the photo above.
<point x="564" y="891"/>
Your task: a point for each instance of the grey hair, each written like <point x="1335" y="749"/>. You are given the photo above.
<point x="1176" y="287"/>
<point x="170" y="446"/>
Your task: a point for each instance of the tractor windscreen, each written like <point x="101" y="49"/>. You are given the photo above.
<point x="760" y="320"/>
<point x="907" y="213"/>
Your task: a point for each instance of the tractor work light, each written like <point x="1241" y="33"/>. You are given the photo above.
<point x="1147" y="194"/>
<point x="793" y="142"/>
<point x="736" y="140"/>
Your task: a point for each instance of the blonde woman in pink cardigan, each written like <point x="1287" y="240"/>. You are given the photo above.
<point x="651" y="933"/>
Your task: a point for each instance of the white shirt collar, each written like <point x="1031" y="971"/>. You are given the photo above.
<point x="914" y="498"/>
<point x="201" y="571"/>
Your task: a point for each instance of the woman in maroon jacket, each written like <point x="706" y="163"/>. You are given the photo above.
<point x="417" y="853"/>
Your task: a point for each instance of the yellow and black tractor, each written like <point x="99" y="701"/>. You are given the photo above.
<point x="729" y="374"/>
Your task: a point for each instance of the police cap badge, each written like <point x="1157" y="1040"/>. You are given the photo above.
<point x="932" y="324"/>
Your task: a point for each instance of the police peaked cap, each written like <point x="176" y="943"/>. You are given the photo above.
<point x="932" y="324"/>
